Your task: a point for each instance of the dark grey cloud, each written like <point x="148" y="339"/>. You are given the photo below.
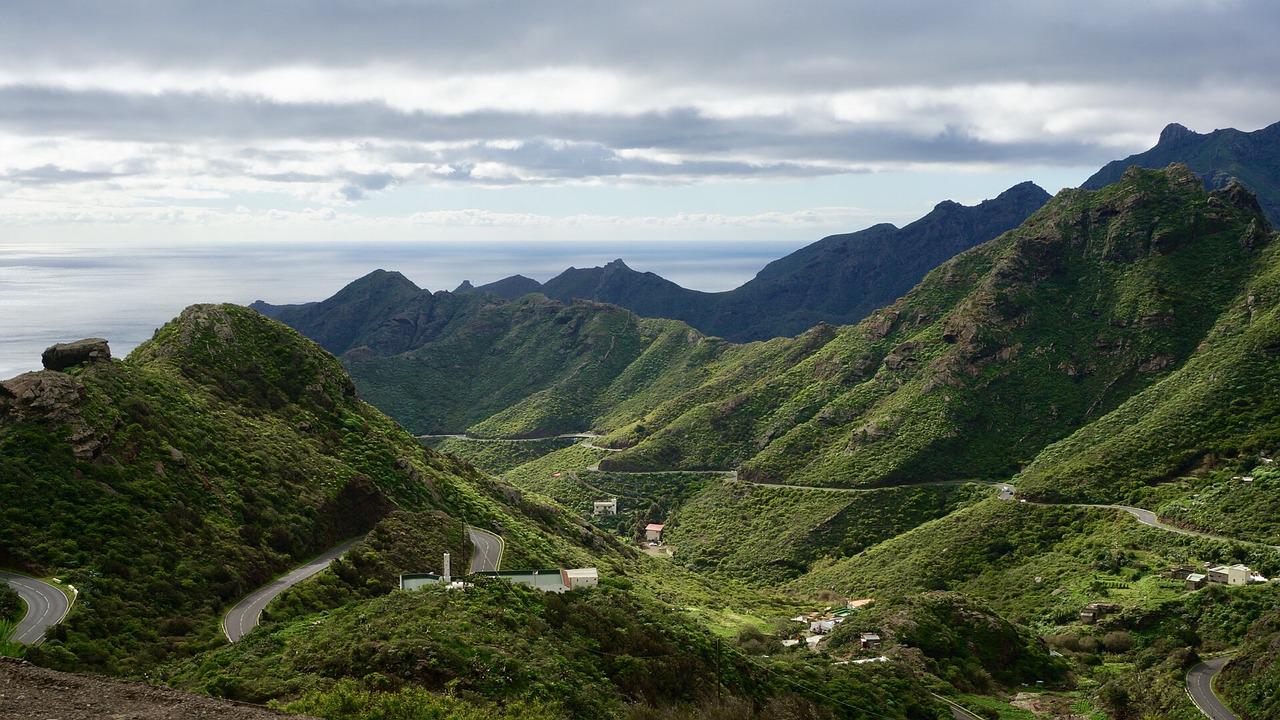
<point x="564" y="144"/>
<point x="758" y="43"/>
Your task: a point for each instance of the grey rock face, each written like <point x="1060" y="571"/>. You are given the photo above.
<point x="65" y="355"/>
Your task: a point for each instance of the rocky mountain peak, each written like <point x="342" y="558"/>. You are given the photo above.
<point x="1173" y="132"/>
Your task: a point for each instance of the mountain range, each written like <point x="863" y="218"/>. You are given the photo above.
<point x="1252" y="158"/>
<point x="843" y="278"/>
<point x="839" y="279"/>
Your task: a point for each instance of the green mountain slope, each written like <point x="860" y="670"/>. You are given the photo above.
<point x="603" y="653"/>
<point x="221" y="452"/>
<point x="1251" y="157"/>
<point x="1220" y="405"/>
<point x="997" y="353"/>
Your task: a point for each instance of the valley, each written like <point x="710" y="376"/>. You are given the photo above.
<point x="991" y="495"/>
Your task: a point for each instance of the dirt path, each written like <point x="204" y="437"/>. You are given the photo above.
<point x="27" y="691"/>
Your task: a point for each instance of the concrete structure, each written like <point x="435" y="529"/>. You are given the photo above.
<point x="1195" y="581"/>
<point x="822" y="627"/>
<point x="555" y="580"/>
<point x="1094" y="612"/>
<point x="869" y="640"/>
<point x="1231" y="575"/>
<point x="605" y="507"/>
<point x="580" y="578"/>
<point x="653" y="532"/>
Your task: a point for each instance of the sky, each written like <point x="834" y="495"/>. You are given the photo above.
<point x="669" y="132"/>
<point x="140" y="122"/>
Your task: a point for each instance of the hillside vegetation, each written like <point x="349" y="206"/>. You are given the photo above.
<point x="766" y="536"/>
<point x="997" y="353"/>
<point x="588" y="654"/>
<point x="221" y="452"/>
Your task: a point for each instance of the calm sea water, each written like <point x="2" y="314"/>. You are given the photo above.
<point x="50" y="295"/>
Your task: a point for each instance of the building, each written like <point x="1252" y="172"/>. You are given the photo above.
<point x="822" y="627"/>
<point x="869" y="640"/>
<point x="1195" y="581"/>
<point x="605" y="507"/>
<point x="1094" y="612"/>
<point x="580" y="578"/>
<point x="653" y="532"/>
<point x="556" y="580"/>
<point x="1233" y="575"/>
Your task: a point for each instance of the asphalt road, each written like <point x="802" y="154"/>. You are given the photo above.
<point x="486" y="550"/>
<point x="46" y="606"/>
<point x="1200" y="687"/>
<point x="244" y="617"/>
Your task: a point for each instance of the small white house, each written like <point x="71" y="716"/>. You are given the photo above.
<point x="605" y="507"/>
<point x="653" y="532"/>
<point x="1231" y="574"/>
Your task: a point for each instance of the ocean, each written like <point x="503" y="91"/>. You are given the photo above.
<point x="57" y="294"/>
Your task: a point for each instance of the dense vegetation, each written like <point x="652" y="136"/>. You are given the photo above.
<point x="766" y="536"/>
<point x="497" y="457"/>
<point x="998" y="352"/>
<point x="11" y="606"/>
<point x="1219" y="409"/>
<point x="961" y="641"/>
<point x="1249" y="681"/>
<point x="1231" y="507"/>
<point x="401" y="542"/>
<point x="221" y="452"/>
<point x="587" y="654"/>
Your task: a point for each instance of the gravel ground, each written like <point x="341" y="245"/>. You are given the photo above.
<point x="28" y="692"/>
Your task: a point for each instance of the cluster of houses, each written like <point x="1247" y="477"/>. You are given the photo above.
<point x="1197" y="578"/>
<point x="820" y="624"/>
<point x="556" y="580"/>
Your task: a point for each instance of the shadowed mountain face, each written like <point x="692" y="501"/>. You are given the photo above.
<point x="839" y="279"/>
<point x="1251" y="157"/>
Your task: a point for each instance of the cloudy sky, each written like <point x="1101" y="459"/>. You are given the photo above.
<point x="573" y="121"/>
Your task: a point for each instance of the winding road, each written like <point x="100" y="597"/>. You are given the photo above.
<point x="1200" y="688"/>
<point x="46" y="607"/>
<point x="244" y="616"/>
<point x="486" y="550"/>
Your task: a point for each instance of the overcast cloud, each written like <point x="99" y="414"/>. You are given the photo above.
<point x="208" y="111"/>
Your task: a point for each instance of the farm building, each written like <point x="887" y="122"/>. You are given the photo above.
<point x="605" y="507"/>
<point x="653" y="532"/>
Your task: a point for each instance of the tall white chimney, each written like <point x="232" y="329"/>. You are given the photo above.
<point x="447" y="577"/>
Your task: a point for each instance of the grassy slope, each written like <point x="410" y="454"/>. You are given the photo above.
<point x="230" y="448"/>
<point x="995" y="354"/>
<point x="498" y="457"/>
<point x="1039" y="565"/>
<point x="534" y="367"/>
<point x="586" y="654"/>
<point x="1219" y="406"/>
<point x="769" y="535"/>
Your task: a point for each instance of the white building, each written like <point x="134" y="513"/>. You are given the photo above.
<point x="653" y="532"/>
<point x="580" y="578"/>
<point x="605" y="507"/>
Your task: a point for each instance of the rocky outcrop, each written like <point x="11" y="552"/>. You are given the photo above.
<point x="68" y="355"/>
<point x="52" y="398"/>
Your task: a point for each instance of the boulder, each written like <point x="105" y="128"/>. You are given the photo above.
<point x="66" y="355"/>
